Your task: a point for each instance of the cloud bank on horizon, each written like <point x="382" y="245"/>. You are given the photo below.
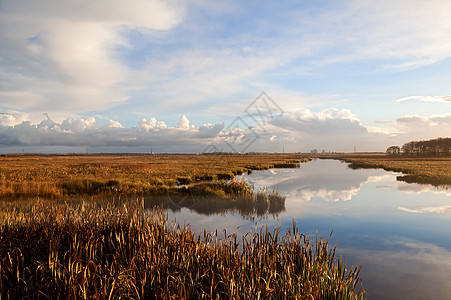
<point x="345" y="74"/>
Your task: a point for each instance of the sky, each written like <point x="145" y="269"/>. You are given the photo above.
<point x="202" y="76"/>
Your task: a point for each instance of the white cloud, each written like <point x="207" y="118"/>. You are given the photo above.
<point x="407" y="188"/>
<point x="443" y="99"/>
<point x="59" y="55"/>
<point x="344" y="191"/>
<point x="331" y="129"/>
<point x="217" y="75"/>
<point x="434" y="209"/>
<point x="396" y="264"/>
<point x="326" y="127"/>
<point x="63" y="57"/>
<point x="417" y="127"/>
<point x="151" y="124"/>
<point x="183" y="122"/>
<point x="328" y="122"/>
<point x="10" y="117"/>
<point x="113" y="124"/>
<point x="410" y="34"/>
<point x="328" y="195"/>
<point x="87" y="132"/>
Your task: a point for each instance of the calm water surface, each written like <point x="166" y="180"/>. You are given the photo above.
<point x="398" y="232"/>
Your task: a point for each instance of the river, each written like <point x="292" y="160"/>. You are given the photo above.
<point x="398" y="232"/>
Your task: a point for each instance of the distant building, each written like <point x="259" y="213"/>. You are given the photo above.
<point x="314" y="151"/>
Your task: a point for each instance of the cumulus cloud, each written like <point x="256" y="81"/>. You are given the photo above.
<point x="337" y="129"/>
<point x="87" y="132"/>
<point x="330" y="129"/>
<point x="327" y="122"/>
<point x="59" y="55"/>
<point x="64" y="56"/>
<point x="416" y="127"/>
<point x="295" y="132"/>
<point x="183" y="122"/>
<point x="151" y="124"/>
<point x="10" y="118"/>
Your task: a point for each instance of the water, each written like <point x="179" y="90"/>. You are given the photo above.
<point x="398" y="232"/>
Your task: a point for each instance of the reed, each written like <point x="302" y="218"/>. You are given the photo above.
<point x="116" y="249"/>
<point x="61" y="176"/>
<point x="221" y="197"/>
<point x="423" y="170"/>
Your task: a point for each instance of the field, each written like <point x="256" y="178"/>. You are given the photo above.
<point x="58" y="176"/>
<point x="423" y="170"/>
<point x="78" y="227"/>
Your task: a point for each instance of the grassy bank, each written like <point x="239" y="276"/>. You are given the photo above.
<point x="425" y="170"/>
<point x="60" y="176"/>
<point x="116" y="249"/>
<point x="221" y="197"/>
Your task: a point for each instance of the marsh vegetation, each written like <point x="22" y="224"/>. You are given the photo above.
<point x="84" y="227"/>
<point x="435" y="171"/>
<point x="115" y="249"/>
<point x="62" y="176"/>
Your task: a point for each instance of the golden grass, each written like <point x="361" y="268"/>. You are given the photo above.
<point x="426" y="170"/>
<point x="57" y="176"/>
<point x="110" y="250"/>
<point x="115" y="248"/>
<point x="219" y="197"/>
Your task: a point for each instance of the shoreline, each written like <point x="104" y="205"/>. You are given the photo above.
<point x="435" y="171"/>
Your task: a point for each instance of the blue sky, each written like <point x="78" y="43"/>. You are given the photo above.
<point x="175" y="75"/>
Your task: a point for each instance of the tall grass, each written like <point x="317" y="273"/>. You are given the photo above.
<point x="60" y="176"/>
<point x="221" y="197"/>
<point x="118" y="249"/>
<point x="431" y="170"/>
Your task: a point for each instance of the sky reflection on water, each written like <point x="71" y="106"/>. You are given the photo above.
<point x="398" y="232"/>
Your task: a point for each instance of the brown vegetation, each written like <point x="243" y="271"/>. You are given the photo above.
<point x="425" y="170"/>
<point x="57" y="176"/>
<point x="111" y="250"/>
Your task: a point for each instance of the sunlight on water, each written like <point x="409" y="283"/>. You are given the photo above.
<point x="397" y="231"/>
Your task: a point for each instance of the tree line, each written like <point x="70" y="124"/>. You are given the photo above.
<point x="435" y="147"/>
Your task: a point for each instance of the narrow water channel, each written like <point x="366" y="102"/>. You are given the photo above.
<point x="400" y="233"/>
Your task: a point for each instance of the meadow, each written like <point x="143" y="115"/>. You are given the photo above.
<point x="81" y="227"/>
<point x="76" y="175"/>
<point x="424" y="170"/>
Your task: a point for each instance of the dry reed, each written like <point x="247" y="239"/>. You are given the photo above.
<point x="116" y="249"/>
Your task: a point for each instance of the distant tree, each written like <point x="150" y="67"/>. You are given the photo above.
<point x="435" y="147"/>
<point x="393" y="150"/>
<point x="408" y="148"/>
